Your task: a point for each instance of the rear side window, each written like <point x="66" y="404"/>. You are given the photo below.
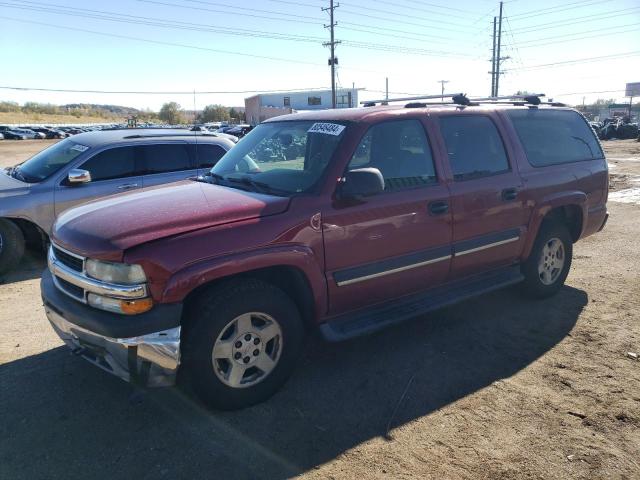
<point x="113" y="163"/>
<point x="164" y="158"/>
<point x="400" y="150"/>
<point x="474" y="146"/>
<point x="550" y="137"/>
<point x="208" y="155"/>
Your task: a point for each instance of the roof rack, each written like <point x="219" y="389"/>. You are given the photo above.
<point x="462" y="100"/>
<point x="371" y="103"/>
<point x="160" y="135"/>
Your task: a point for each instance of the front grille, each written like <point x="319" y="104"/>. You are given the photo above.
<point x="74" y="263"/>
<point x="70" y="288"/>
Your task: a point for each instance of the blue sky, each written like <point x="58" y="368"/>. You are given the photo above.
<point x="188" y="46"/>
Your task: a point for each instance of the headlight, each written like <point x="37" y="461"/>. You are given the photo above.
<point x="115" y="272"/>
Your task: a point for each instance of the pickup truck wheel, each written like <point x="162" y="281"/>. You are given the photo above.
<point x="547" y="267"/>
<point x="11" y="245"/>
<point x="242" y="344"/>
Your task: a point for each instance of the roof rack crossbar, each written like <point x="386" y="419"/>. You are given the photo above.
<point x="410" y="99"/>
<point x="526" y="98"/>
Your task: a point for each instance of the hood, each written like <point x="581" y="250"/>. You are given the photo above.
<point x="105" y="228"/>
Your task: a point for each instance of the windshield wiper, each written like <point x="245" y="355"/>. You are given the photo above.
<point x="259" y="187"/>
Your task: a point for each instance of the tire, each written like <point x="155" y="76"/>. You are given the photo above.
<point x="544" y="271"/>
<point x="11" y="245"/>
<point x="215" y="320"/>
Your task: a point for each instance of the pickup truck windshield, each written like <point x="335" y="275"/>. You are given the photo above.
<point x="48" y="161"/>
<point x="280" y="158"/>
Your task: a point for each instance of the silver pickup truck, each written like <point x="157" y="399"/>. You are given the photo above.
<point x="91" y="165"/>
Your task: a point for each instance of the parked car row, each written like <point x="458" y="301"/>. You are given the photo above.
<point x="27" y="132"/>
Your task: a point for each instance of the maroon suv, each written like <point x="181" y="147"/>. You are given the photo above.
<point x="347" y="221"/>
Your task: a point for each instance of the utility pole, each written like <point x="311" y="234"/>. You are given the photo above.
<point x="442" y="82"/>
<point x="386" y="88"/>
<point x="332" y="44"/>
<point x="498" y="59"/>
<point x="493" y="61"/>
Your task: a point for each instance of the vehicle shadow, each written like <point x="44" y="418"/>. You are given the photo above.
<point x="61" y="417"/>
<point x="31" y="266"/>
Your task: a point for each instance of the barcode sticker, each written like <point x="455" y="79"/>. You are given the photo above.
<point x="327" y="128"/>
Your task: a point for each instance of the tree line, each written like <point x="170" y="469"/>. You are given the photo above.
<point x="170" y="112"/>
<point x="174" y="114"/>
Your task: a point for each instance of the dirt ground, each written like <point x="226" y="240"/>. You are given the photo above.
<point x="495" y="388"/>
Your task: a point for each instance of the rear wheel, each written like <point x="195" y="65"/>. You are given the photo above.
<point x="11" y="245"/>
<point x="548" y="265"/>
<point x="242" y="342"/>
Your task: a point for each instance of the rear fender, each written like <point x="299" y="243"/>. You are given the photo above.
<point x="195" y="275"/>
<point x="548" y="203"/>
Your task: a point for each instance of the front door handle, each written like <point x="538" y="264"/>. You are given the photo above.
<point x="127" y="186"/>
<point x="438" y="207"/>
<point x="509" y="194"/>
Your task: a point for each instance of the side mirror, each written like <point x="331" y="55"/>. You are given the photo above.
<point x="77" y="176"/>
<point x="362" y="182"/>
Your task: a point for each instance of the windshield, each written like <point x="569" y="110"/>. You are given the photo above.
<point x="48" y="161"/>
<point x="280" y="158"/>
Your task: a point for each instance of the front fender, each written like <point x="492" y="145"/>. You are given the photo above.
<point x="186" y="280"/>
<point x="548" y="203"/>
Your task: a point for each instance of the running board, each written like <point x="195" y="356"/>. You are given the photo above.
<point x="377" y="317"/>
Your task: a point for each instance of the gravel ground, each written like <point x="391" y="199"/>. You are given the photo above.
<point x="496" y="387"/>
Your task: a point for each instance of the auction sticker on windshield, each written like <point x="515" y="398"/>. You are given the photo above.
<point x="80" y="148"/>
<point x="327" y="128"/>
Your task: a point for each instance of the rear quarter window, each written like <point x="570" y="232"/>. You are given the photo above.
<point x="551" y="137"/>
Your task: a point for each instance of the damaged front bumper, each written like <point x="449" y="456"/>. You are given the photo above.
<point x="139" y="349"/>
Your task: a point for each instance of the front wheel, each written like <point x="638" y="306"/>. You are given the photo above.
<point x="242" y="342"/>
<point x="548" y="265"/>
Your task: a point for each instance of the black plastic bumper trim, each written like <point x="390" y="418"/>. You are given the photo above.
<point x="160" y="317"/>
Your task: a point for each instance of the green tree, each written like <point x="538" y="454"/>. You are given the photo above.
<point x="214" y="113"/>
<point x="171" y="113"/>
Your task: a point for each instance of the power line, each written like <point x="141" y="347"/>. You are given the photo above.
<point x="413" y="8"/>
<point x="578" y="61"/>
<point x="556" y="9"/>
<point x="160" y="42"/>
<point x="139" y="20"/>
<point x="156" y="22"/>
<point x="404" y="15"/>
<point x="606" y="34"/>
<point x="575" y="20"/>
<point x="607" y="30"/>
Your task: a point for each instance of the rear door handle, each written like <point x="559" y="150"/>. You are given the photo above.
<point x="509" y="194"/>
<point x="127" y="186"/>
<point x="438" y="207"/>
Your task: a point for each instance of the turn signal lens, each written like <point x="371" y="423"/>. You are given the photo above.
<point x="116" y="305"/>
<point x="133" y="307"/>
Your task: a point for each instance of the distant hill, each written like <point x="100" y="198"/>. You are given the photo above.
<point x="111" y="110"/>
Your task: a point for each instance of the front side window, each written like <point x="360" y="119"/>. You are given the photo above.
<point x="48" y="161"/>
<point x="113" y="163"/>
<point x="164" y="158"/>
<point x="400" y="150"/>
<point x="554" y="136"/>
<point x="474" y="146"/>
<point x="208" y="154"/>
<point x="280" y="157"/>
